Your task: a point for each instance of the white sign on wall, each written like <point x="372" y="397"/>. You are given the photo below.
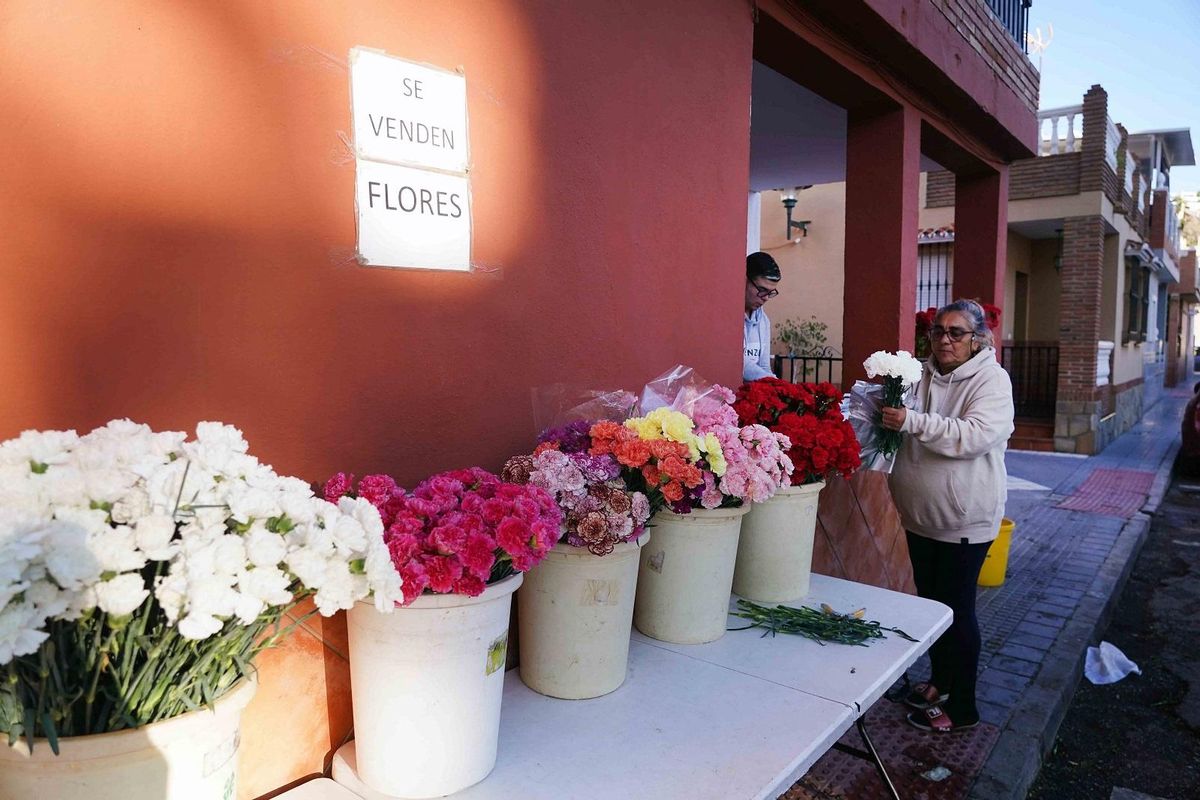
<point x="411" y="158"/>
<point x="412" y="217"/>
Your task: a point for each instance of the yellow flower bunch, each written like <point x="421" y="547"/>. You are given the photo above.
<point x="675" y="426"/>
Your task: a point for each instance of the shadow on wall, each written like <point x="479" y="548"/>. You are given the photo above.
<point x="181" y="245"/>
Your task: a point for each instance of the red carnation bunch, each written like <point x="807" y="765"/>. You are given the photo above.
<point x="809" y="414"/>
<point x="924" y="326"/>
<point x="991" y="315"/>
<point x="458" y="531"/>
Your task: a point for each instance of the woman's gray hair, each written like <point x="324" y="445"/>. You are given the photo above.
<point x="980" y="332"/>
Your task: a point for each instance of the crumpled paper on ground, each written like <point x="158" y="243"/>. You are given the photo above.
<point x="1107" y="664"/>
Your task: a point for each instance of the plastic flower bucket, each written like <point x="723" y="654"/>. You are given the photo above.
<point x="426" y="683"/>
<point x="774" y="558"/>
<point x="995" y="566"/>
<point x="190" y="756"/>
<point x="686" y="575"/>
<point x="574" y="613"/>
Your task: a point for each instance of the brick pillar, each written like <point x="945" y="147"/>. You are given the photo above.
<point x="1174" y="356"/>
<point x="981" y="236"/>
<point x="1092" y="166"/>
<point x="883" y="165"/>
<point x="1077" y="415"/>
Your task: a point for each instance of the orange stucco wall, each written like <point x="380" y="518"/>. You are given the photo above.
<point x="177" y="237"/>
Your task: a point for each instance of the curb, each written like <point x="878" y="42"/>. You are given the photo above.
<point x="1032" y="728"/>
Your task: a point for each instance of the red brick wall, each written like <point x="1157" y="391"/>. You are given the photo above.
<point x="984" y="33"/>
<point x="1095" y="173"/>
<point x="1079" y="326"/>
<point x="1046" y="176"/>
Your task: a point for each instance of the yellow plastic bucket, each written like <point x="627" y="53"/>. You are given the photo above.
<point x="996" y="564"/>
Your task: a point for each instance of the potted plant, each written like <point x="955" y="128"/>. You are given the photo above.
<point x="427" y="680"/>
<point x="579" y="648"/>
<point x="140" y="573"/>
<point x="774" y="560"/>
<point x="702" y="471"/>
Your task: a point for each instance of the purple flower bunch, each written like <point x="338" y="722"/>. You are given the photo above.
<point x="599" y="511"/>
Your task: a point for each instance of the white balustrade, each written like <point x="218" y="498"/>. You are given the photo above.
<point x="1112" y="140"/>
<point x="1054" y="141"/>
<point x="1104" y="352"/>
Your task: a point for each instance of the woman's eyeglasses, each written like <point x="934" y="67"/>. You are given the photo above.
<point x="955" y="334"/>
<point x="763" y="292"/>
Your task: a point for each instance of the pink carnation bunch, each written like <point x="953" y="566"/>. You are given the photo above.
<point x="756" y="460"/>
<point x="458" y="531"/>
<point x="758" y="464"/>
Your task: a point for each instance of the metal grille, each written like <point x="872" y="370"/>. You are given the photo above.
<point x="1033" y="369"/>
<point x="805" y="369"/>
<point x="935" y="274"/>
<point x="1014" y="16"/>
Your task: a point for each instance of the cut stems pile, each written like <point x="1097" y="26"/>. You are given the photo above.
<point x="821" y="626"/>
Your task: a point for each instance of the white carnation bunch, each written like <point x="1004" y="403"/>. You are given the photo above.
<point x="126" y="522"/>
<point x="901" y="365"/>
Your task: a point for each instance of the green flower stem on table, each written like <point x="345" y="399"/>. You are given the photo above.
<point x="821" y="626"/>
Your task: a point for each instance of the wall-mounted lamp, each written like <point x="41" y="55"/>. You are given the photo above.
<point x="1058" y="256"/>
<point x="789" y="202"/>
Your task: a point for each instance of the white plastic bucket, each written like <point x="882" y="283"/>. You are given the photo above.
<point x="574" y="613"/>
<point x="686" y="575"/>
<point x="426" y="683"/>
<point x="774" y="559"/>
<point x="189" y="757"/>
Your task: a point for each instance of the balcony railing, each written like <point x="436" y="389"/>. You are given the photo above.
<point x="1067" y="140"/>
<point x="1033" y="368"/>
<point x="805" y="369"/>
<point x="1060" y="130"/>
<point x="1014" y="16"/>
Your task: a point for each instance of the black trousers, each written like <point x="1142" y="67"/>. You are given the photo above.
<point x="948" y="572"/>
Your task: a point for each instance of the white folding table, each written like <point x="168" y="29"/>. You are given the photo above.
<point x="742" y="717"/>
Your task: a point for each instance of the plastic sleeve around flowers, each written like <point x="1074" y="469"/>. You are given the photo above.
<point x="559" y="404"/>
<point x="862" y="408"/>
<point x="679" y="389"/>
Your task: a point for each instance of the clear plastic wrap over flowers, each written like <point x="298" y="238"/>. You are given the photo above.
<point x="679" y="389"/>
<point x="559" y="404"/>
<point x="862" y="408"/>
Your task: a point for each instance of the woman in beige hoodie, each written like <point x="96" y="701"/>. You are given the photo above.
<point x="949" y="485"/>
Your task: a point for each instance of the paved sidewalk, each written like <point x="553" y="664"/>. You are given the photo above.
<point x="1066" y="569"/>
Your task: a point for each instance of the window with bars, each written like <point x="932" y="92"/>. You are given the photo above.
<point x="935" y="274"/>
<point x="1138" y="293"/>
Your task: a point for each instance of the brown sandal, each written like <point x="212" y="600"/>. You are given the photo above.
<point x="923" y="696"/>
<point x="937" y="721"/>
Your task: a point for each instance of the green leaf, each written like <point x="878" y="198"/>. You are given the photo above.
<point x="50" y="731"/>
<point x="38" y="467"/>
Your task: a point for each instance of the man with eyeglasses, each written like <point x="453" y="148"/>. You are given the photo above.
<point x="762" y="274"/>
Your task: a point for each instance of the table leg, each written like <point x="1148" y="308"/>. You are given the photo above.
<point x="870" y="754"/>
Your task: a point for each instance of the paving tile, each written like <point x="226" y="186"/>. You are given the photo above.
<point x="1057" y="609"/>
<point x="1042" y="618"/>
<point x="1023" y="652"/>
<point x="999" y="695"/>
<point x="1029" y="640"/>
<point x="1016" y="666"/>
<point x="1000" y="677"/>
<point x="991" y="713"/>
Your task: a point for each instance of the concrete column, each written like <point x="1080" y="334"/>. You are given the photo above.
<point x="981" y="236"/>
<point x="883" y="167"/>
<point x="1082" y="276"/>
